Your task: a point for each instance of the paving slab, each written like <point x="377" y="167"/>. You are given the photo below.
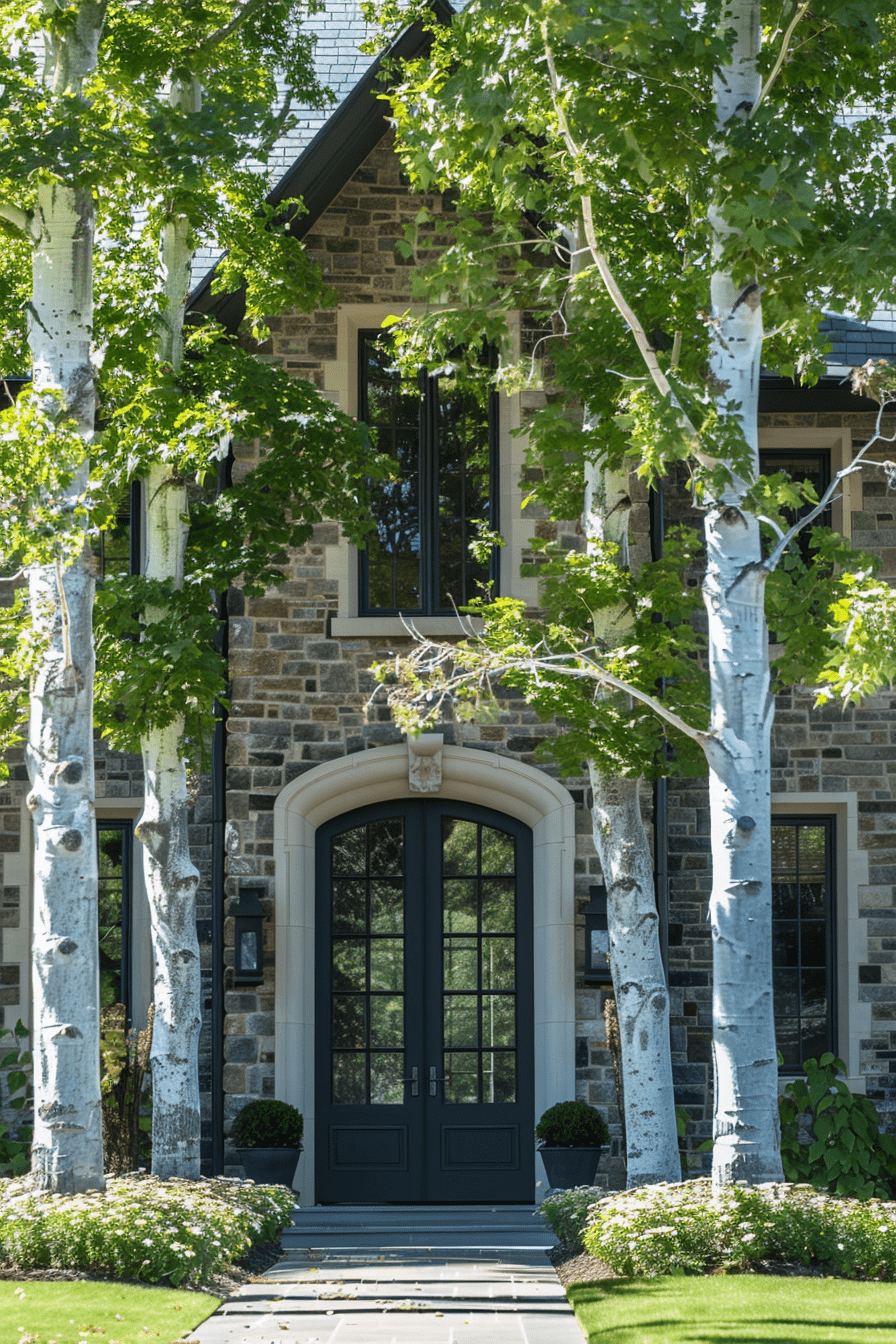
<point x="469" y="1296"/>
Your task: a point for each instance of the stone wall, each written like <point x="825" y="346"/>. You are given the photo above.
<point x="299" y="699"/>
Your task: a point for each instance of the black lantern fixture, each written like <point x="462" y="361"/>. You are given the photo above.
<point x="597" y="939"/>
<point x="248" y="938"/>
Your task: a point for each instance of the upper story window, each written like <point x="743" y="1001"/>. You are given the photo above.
<point x="117" y="549"/>
<point x="803" y="937"/>
<point x="442" y="439"/>
<point x="801" y="464"/>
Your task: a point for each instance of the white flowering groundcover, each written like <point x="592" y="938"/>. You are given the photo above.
<point x="173" y="1232"/>
<point x="690" y="1229"/>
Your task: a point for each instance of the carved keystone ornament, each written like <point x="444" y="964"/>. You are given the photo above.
<point x="425" y="762"/>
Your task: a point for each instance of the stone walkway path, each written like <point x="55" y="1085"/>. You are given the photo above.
<point x="416" y="1296"/>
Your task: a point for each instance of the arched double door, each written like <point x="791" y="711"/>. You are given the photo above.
<point x="424" y="1005"/>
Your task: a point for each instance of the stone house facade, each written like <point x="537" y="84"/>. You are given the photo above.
<point x="347" y="1016"/>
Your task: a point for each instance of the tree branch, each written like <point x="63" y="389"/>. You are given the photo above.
<point x="771" y="562"/>
<point x="221" y="34"/>
<point x="782" y="57"/>
<point x="279" y="125"/>
<point x="431" y="657"/>
<point x="645" y="349"/>
<point x="23" y="220"/>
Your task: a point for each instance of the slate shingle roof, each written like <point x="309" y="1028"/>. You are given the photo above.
<point x="853" y="342"/>
<point x="339" y="64"/>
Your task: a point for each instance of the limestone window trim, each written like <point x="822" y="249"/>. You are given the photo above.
<point x="836" y="441"/>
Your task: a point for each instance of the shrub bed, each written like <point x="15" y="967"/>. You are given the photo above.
<point x="177" y="1232"/>
<point x="566" y="1212"/>
<point x="688" y="1229"/>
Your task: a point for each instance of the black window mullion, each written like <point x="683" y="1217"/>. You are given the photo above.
<point x="430" y="468"/>
<point x="368" y="947"/>
<point x="799" y="877"/>
<point x="830" y="930"/>
<point x="126" y="830"/>
<point x="494" y="517"/>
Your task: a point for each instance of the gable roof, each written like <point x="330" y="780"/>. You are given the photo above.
<point x="340" y="144"/>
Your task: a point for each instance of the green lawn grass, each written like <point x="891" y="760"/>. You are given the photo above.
<point x="85" y="1312"/>
<point x="735" y="1309"/>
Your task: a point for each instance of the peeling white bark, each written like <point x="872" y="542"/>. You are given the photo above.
<point x="67" y="1150"/>
<point x="170" y="876"/>
<point x="746" y="1130"/>
<point x="171" y="880"/>
<point x="639" y="980"/>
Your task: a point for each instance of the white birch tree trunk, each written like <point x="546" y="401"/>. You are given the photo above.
<point x="67" y="1148"/>
<point x="746" y="1128"/>
<point x="639" y="981"/>
<point x="171" y="880"/>
<point x="171" y="877"/>
<point x="169" y="874"/>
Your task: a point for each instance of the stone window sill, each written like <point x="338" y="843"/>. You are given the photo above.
<point x="392" y="627"/>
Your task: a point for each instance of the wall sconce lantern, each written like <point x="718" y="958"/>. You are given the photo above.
<point x="248" y="938"/>
<point x="597" y="939"/>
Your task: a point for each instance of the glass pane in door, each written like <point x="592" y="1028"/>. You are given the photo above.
<point x="479" y="999"/>
<point x="367" y="964"/>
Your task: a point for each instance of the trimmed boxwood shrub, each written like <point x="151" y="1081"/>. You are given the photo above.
<point x="572" y="1124"/>
<point x="268" y="1124"/>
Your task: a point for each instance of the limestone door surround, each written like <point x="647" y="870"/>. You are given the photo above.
<point x="482" y="779"/>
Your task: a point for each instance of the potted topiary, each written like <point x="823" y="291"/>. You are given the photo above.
<point x="268" y="1137"/>
<point x="573" y="1135"/>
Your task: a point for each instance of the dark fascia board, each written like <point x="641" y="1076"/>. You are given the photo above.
<point x="830" y="394"/>
<point x="330" y="160"/>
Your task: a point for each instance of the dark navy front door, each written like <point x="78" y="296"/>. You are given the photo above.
<point x="424" y="1071"/>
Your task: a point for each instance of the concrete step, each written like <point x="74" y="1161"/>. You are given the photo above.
<point x="406" y="1226"/>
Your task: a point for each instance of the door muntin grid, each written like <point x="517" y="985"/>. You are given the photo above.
<point x="367" y="964"/>
<point x="479" y="963"/>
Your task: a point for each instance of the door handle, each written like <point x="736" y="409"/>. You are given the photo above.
<point x="414" y="1082"/>
<point x="433" y="1080"/>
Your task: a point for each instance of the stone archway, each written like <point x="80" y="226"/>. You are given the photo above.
<point x="468" y="775"/>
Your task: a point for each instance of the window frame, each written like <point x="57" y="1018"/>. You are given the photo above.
<point x="839" y="443"/>
<point x="126" y="826"/>
<point x="828" y="820"/>
<point x="427" y="449"/>
<point x="134" y="538"/>
<point x="821" y="455"/>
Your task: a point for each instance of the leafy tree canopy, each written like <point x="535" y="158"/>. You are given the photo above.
<point x="147" y="158"/>
<point x="596" y="193"/>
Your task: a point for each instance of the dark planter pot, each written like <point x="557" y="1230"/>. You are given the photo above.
<point x="569" y="1167"/>
<point x="270" y="1166"/>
